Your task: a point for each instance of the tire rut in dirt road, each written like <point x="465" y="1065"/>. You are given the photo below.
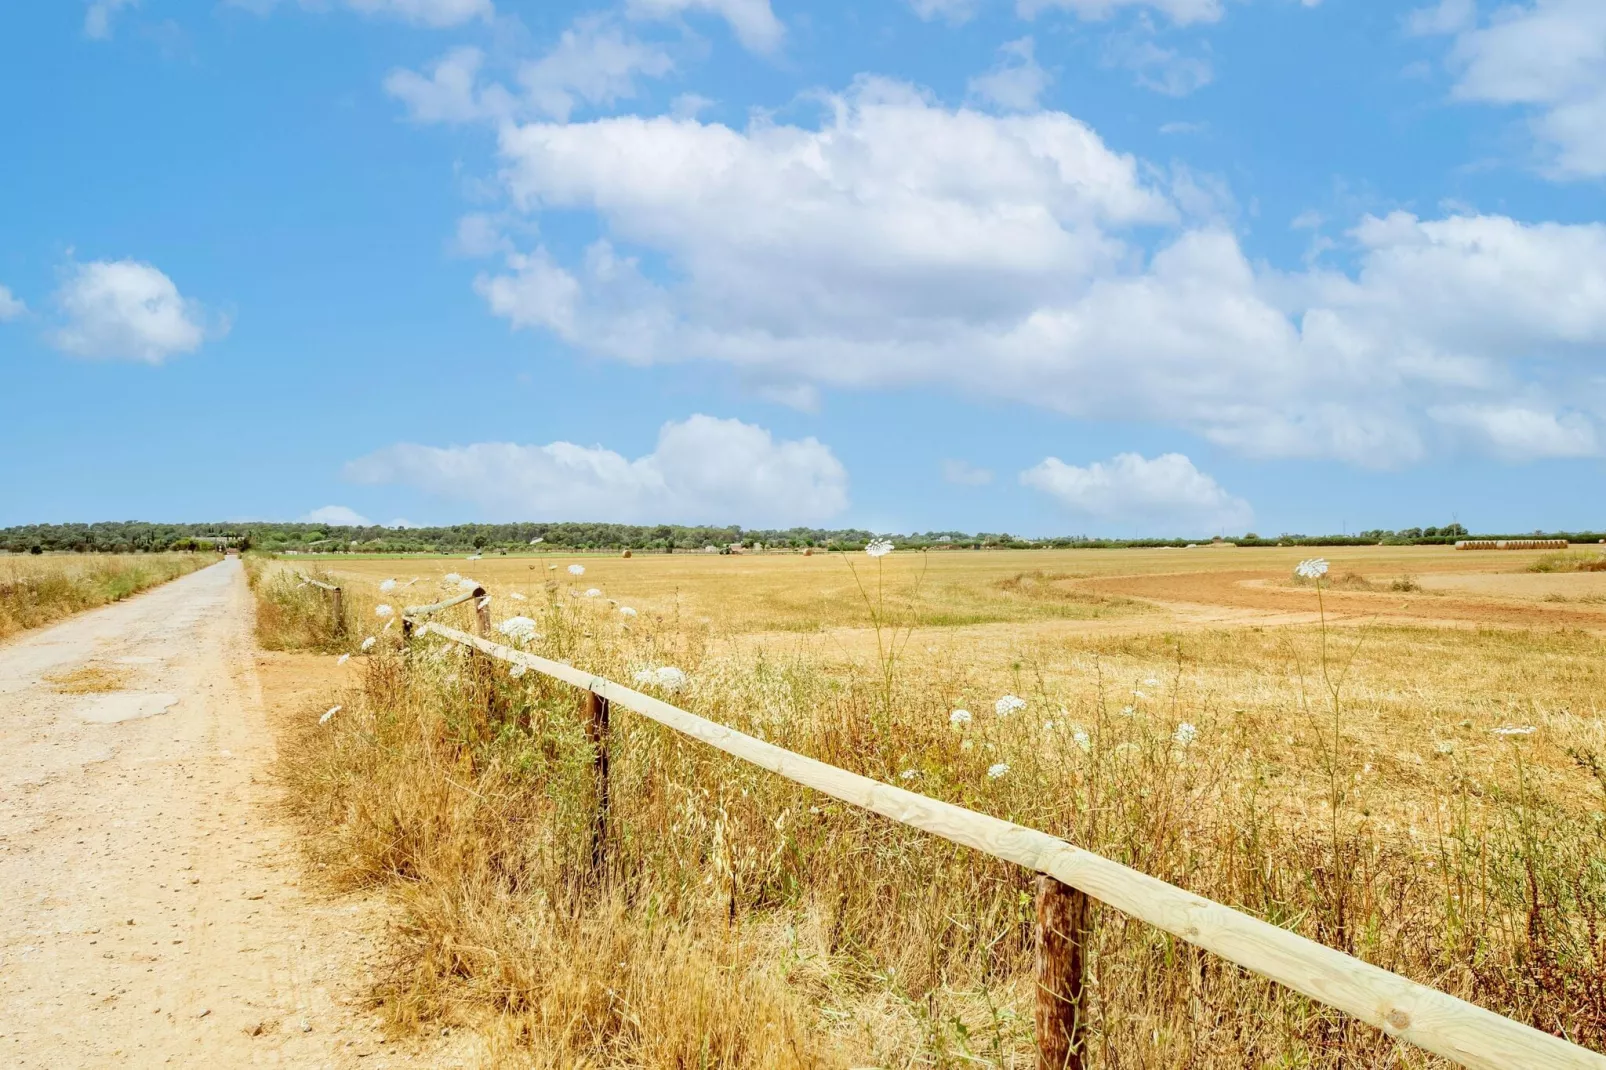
<point x="150" y="906"/>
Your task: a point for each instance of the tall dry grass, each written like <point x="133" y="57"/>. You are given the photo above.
<point x="745" y="922"/>
<point x="39" y="589"/>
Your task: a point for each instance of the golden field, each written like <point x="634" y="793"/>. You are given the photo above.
<point x="43" y="588"/>
<point x="1355" y="763"/>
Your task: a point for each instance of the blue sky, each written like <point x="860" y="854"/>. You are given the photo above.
<point x="1103" y="266"/>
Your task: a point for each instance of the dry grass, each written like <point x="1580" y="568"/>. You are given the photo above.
<point x="89" y="680"/>
<point x="1570" y="561"/>
<point x="744" y="922"/>
<point x="39" y="589"/>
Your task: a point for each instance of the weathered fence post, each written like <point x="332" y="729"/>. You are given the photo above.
<point x="338" y="607"/>
<point x="482" y="612"/>
<point x="597" y="732"/>
<point x="1064" y="938"/>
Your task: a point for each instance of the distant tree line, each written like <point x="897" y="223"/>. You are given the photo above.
<point x="137" y="536"/>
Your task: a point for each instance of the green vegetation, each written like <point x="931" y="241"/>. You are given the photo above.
<point x="38" y="590"/>
<point x="135" y="536"/>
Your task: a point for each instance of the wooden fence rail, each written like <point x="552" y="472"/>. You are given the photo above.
<point x="1453" y="1028"/>
<point x="336" y="598"/>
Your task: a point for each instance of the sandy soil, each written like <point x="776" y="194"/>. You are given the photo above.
<point x="151" y="905"/>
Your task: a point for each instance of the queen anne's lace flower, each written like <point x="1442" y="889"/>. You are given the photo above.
<point x="959" y="717"/>
<point x="516" y="596"/>
<point x="592" y="592"/>
<point x="368" y="644"/>
<point x="1185" y="733"/>
<point x="521" y="629"/>
<point x="518" y="670"/>
<point x="996" y="771"/>
<point x="879" y="547"/>
<point x="1009" y="704"/>
<point x="383" y="610"/>
<point x="1311" y="569"/>
<point x="388" y="585"/>
<point x="577" y="570"/>
<point x="626" y="611"/>
<point x="452" y="577"/>
<point x="667" y="677"/>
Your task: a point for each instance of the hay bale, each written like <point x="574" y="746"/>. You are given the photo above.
<point x="625" y="554"/>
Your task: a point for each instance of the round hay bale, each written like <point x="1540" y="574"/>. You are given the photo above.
<point x="625" y="554"/>
<point x="808" y="551"/>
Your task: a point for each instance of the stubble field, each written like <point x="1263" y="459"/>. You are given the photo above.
<point x="1410" y="768"/>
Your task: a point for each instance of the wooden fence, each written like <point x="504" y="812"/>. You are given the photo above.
<point x="336" y="599"/>
<point x="1462" y="1032"/>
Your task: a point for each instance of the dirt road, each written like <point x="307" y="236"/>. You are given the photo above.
<point x="150" y="907"/>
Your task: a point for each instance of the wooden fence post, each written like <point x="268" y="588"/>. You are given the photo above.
<point x="482" y="612"/>
<point x="338" y="607"/>
<point x="1064" y="938"/>
<point x="597" y="732"/>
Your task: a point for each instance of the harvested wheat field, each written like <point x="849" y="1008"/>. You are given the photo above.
<point x="1405" y="761"/>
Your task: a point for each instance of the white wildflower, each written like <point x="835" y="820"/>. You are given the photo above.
<point x="1185" y="733"/>
<point x="521" y="629"/>
<point x="330" y="713"/>
<point x="368" y="644"/>
<point x="1151" y="682"/>
<point x="577" y="570"/>
<point x="1128" y="710"/>
<point x="1080" y="737"/>
<point x="1139" y="695"/>
<point x="342" y="659"/>
<point x="667" y="677"/>
<point x="626" y="611"/>
<point x="382" y="610"/>
<point x="518" y="670"/>
<point x="1008" y="705"/>
<point x="1048" y="726"/>
<point x="516" y="596"/>
<point x="452" y="577"/>
<point x="996" y="771"/>
<point x="1444" y="746"/>
<point x="592" y="592"/>
<point x="1311" y="569"/>
<point x="466" y="584"/>
<point x="908" y="774"/>
<point x="388" y="585"/>
<point x="959" y="717"/>
<point x="1513" y="730"/>
<point x="879" y="547"/>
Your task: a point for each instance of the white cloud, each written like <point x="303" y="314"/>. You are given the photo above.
<point x="1016" y="83"/>
<point x="129" y="310"/>
<point x="437" y="14"/>
<point x="902" y="243"/>
<point x="1181" y="12"/>
<point x="703" y="470"/>
<point x="401" y="522"/>
<point x="11" y="306"/>
<point x="1549" y="57"/>
<point x="1164" y="70"/>
<point x="965" y="474"/>
<point x="1522" y="434"/>
<point x="753" y="21"/>
<point x="98" y="18"/>
<point x="594" y="62"/>
<point x="338" y="516"/>
<point x="1133" y="489"/>
<point x="479" y="235"/>
<point x="953" y="11"/>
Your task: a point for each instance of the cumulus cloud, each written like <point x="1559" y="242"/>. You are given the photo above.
<point x="594" y="62"/>
<point x="1522" y="434"/>
<point x="965" y="474"/>
<point x="703" y="470"/>
<point x="1548" y="57"/>
<point x="1016" y="83"/>
<point x="337" y="516"/>
<point x="98" y="18"/>
<point x="11" y="306"/>
<point x="1131" y="488"/>
<point x="1164" y="70"/>
<point x="125" y="309"/>
<point x="752" y="21"/>
<point x="437" y="14"/>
